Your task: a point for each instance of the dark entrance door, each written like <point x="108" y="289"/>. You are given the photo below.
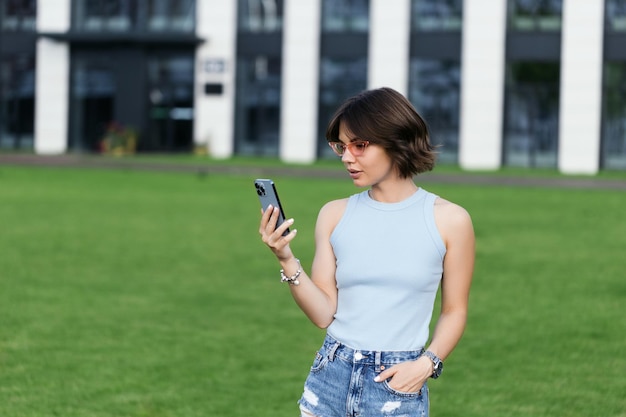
<point x="131" y="90"/>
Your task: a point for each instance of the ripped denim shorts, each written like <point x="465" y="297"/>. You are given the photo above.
<point x="341" y="383"/>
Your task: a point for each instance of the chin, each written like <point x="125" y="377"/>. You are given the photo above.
<point x="360" y="183"/>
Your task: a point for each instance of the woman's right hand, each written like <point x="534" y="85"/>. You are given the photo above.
<point x="273" y="237"/>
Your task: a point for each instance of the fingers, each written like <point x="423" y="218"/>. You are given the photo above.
<point x="265" y="218"/>
<point x="280" y="230"/>
<point x="269" y="218"/>
<point x="272" y="235"/>
<point x="385" y="375"/>
<point x="402" y="379"/>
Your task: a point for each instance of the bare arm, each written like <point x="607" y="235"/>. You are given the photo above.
<point x="316" y="295"/>
<point x="457" y="231"/>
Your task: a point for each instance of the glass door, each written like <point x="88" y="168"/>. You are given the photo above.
<point x="92" y="103"/>
<point x="170" y="103"/>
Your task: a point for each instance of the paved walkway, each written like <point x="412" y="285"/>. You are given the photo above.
<point x="102" y="162"/>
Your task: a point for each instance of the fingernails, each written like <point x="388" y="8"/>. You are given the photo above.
<point x="377" y="379"/>
<point x="290" y="221"/>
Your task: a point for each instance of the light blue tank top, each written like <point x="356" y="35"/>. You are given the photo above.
<point x="389" y="266"/>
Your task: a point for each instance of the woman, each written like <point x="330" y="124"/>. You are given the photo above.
<point x="380" y="257"/>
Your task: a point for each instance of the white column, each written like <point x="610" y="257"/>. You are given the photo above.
<point x="482" y="83"/>
<point x="300" y="81"/>
<point x="216" y="23"/>
<point x="52" y="79"/>
<point x="389" y="38"/>
<point x="581" y="86"/>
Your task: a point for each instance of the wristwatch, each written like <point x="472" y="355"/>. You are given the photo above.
<point x="437" y="364"/>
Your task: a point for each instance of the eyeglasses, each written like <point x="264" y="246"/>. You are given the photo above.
<point x="356" y="148"/>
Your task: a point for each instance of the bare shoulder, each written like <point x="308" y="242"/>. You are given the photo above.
<point x="327" y="220"/>
<point x="452" y="219"/>
<point x="449" y="210"/>
<point x="331" y="213"/>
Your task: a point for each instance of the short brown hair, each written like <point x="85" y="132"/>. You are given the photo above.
<point x="386" y="118"/>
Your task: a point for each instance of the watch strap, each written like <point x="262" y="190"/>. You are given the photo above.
<point x="437" y="363"/>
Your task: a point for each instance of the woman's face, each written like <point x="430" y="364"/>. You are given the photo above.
<point x="370" y="168"/>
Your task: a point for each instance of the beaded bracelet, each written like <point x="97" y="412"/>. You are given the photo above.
<point x="292" y="280"/>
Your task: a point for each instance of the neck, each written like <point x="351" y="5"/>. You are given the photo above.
<point x="393" y="193"/>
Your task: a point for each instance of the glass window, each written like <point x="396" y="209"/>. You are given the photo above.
<point x="104" y="15"/>
<point x="614" y="116"/>
<point x="258" y="105"/>
<point x="127" y="15"/>
<point x="437" y="14"/>
<point x="531" y="117"/>
<point x="93" y="98"/>
<point x="170" y="92"/>
<point x="615" y="11"/>
<point x="345" y="15"/>
<point x="434" y="90"/>
<point x="535" y="14"/>
<point x="18" y="15"/>
<point x="17" y="102"/>
<point x="260" y="15"/>
<point x="340" y="78"/>
<point x="171" y="15"/>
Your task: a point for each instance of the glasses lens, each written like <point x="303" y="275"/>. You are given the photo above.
<point x="358" y="148"/>
<point x="337" y="147"/>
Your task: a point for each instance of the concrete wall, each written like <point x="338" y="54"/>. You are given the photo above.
<point x="389" y="40"/>
<point x="214" y="117"/>
<point x="482" y="84"/>
<point x="581" y="86"/>
<point x="52" y="79"/>
<point x="300" y="81"/>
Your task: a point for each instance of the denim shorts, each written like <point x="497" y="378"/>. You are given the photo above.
<point x="341" y="384"/>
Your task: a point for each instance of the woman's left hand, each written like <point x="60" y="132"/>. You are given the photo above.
<point x="407" y="376"/>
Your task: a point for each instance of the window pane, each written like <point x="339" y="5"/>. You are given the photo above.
<point x="171" y="15"/>
<point x="437" y="14"/>
<point x="616" y="15"/>
<point x="531" y="115"/>
<point x="17" y="103"/>
<point x="434" y="89"/>
<point x="535" y="14"/>
<point x="104" y="15"/>
<point x="258" y="105"/>
<point x="18" y="15"/>
<point x="127" y="15"/>
<point x="260" y="15"/>
<point x="345" y="15"/>
<point x="93" y="96"/>
<point x="614" y="117"/>
<point x="339" y="80"/>
<point x="170" y="83"/>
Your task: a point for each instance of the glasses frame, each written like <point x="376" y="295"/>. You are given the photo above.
<point x="339" y="148"/>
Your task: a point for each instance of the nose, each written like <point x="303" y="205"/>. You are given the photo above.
<point x="347" y="156"/>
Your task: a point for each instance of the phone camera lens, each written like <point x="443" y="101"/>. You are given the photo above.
<point x="260" y="190"/>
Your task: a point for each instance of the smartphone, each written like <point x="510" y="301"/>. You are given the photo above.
<point x="266" y="190"/>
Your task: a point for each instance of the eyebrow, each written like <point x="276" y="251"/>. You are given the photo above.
<point x="355" y="139"/>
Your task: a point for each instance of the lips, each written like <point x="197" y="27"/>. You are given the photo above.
<point x="354" y="174"/>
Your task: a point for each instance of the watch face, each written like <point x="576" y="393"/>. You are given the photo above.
<point x="438" y="370"/>
<point x="437" y="364"/>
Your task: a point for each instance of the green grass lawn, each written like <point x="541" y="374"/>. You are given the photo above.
<point x="127" y="293"/>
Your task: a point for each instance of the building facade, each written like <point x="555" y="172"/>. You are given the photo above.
<point x="528" y="83"/>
